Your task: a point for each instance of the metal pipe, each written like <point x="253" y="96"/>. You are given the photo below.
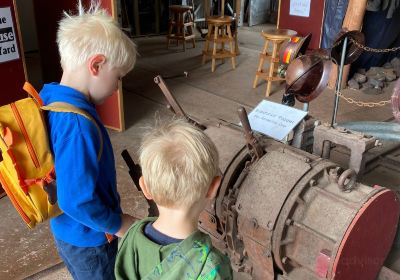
<point x="339" y="82"/>
<point x="381" y="130"/>
<point x="306" y="106"/>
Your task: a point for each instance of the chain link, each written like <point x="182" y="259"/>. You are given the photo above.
<point x="368" y="49"/>
<point x="363" y="104"/>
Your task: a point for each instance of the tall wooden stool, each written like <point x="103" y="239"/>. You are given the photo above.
<point x="275" y="37"/>
<point x="219" y="32"/>
<point x="181" y="25"/>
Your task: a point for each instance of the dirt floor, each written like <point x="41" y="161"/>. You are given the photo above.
<point x="203" y="95"/>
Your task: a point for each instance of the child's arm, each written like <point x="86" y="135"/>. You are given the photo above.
<point x="127" y="221"/>
<point x="126" y="262"/>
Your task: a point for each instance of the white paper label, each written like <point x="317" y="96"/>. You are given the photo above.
<point x="8" y="37"/>
<point x="275" y="120"/>
<point x="300" y="8"/>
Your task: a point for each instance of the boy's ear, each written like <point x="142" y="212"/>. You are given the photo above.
<point x="145" y="191"/>
<point x="214" y="186"/>
<point x="95" y="63"/>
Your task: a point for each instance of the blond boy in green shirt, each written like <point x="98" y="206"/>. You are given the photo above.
<point x="180" y="173"/>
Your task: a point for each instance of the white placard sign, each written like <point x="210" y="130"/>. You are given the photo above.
<point x="300" y="8"/>
<point x="275" y="120"/>
<point x="8" y="37"/>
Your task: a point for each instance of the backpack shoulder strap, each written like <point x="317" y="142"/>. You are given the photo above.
<point x="32" y="92"/>
<point x="68" y="108"/>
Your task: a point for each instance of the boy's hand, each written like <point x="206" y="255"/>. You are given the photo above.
<point x="127" y="221"/>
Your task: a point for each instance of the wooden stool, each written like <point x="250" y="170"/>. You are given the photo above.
<point x="180" y="26"/>
<point x="276" y="37"/>
<point x="219" y="32"/>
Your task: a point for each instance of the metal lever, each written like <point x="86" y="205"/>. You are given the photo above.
<point x="136" y="172"/>
<point x="173" y="105"/>
<point x="255" y="149"/>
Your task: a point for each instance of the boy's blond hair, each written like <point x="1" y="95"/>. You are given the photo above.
<point x="93" y="32"/>
<point x="179" y="162"/>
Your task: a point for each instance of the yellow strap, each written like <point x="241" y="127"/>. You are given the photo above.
<point x="68" y="108"/>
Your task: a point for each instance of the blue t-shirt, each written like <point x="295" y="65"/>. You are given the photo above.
<point x="157" y="237"/>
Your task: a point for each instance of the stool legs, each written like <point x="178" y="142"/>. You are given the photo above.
<point x="183" y="30"/>
<point x="233" y="58"/>
<point x="222" y="33"/>
<point x="214" y="48"/>
<point x="219" y="34"/>
<point x="268" y="75"/>
<point x="237" y="51"/>
<point x="206" y="44"/>
<point x="172" y="22"/>
<point x="191" y="19"/>
<point x="180" y="28"/>
<point x="271" y="68"/>
<point x="275" y="37"/>
<point x="261" y="63"/>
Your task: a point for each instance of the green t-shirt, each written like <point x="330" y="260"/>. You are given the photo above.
<point x="192" y="259"/>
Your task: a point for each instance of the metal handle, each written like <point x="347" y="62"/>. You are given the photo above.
<point x="347" y="180"/>
<point x="173" y="104"/>
<point x="244" y="120"/>
<point x="255" y="149"/>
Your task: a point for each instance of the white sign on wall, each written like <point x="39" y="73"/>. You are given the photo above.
<point x="275" y="120"/>
<point x="300" y="8"/>
<point x="8" y="37"/>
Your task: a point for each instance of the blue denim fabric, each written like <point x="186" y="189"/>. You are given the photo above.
<point x="85" y="263"/>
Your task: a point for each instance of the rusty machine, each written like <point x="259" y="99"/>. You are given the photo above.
<point x="322" y="205"/>
<point x="285" y="213"/>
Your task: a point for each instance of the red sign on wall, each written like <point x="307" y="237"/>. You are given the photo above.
<point x="303" y="16"/>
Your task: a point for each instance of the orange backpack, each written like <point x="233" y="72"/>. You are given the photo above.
<point x="27" y="169"/>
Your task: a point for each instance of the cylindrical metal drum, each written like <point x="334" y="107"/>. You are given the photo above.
<point x="292" y="215"/>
